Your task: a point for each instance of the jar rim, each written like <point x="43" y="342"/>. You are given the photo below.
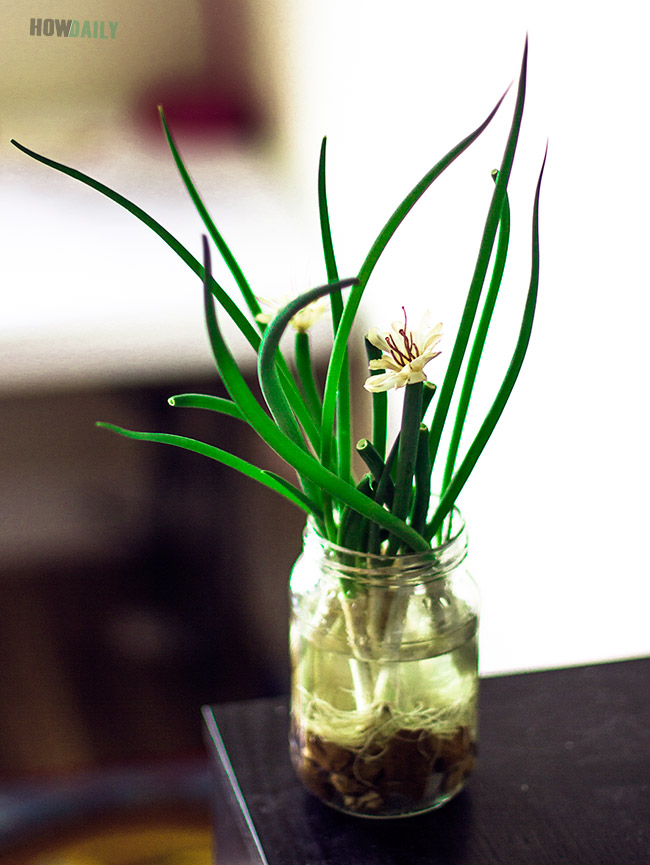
<point x="436" y="561"/>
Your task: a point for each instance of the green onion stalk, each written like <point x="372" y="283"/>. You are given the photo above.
<point x="387" y="511"/>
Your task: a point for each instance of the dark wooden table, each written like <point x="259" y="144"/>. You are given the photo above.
<point x="563" y="778"/>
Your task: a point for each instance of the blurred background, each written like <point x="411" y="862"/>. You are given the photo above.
<point x="137" y="581"/>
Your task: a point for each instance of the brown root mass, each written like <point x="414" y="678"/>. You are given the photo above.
<point x="408" y="772"/>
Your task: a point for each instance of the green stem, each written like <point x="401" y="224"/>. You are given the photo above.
<point x="377" y="466"/>
<point x="336" y="298"/>
<point x="220" y="243"/>
<point x="478" y="344"/>
<point x="204" y="401"/>
<point x="408" y="445"/>
<point x="379" y="405"/>
<point x="480" y="270"/>
<point x="343" y="411"/>
<point x="248" y="331"/>
<point x="267" y="369"/>
<point x="306" y="375"/>
<point x="429" y="392"/>
<point x="267" y="479"/>
<point x="493" y="415"/>
<point x="422" y="495"/>
<point x="384" y="491"/>
<point x="298" y="404"/>
<point x="353" y="529"/>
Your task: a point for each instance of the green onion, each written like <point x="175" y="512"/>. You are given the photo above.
<point x="307" y="422"/>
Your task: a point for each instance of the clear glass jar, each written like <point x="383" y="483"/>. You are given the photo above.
<point x="384" y="675"/>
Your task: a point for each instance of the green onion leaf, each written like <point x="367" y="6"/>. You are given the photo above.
<point x="204" y="401"/>
<point x="480" y="270"/>
<point x="267" y="370"/>
<point x="422" y="495"/>
<point x="306" y="376"/>
<point x="220" y="243"/>
<point x="478" y="344"/>
<point x="493" y="415"/>
<point x="226" y="302"/>
<point x="343" y="411"/>
<point x="263" y="477"/>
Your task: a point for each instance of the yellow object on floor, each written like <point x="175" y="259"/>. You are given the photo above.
<point x="126" y="845"/>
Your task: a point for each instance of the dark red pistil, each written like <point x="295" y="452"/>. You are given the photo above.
<point x="410" y="347"/>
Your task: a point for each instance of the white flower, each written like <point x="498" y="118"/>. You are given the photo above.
<point x="406" y="353"/>
<point x="301" y="321"/>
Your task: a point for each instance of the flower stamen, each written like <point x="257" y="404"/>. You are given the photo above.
<point x="409" y="343"/>
<point x="411" y="351"/>
<point x="399" y="356"/>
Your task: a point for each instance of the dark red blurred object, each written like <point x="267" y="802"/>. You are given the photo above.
<point x="198" y="109"/>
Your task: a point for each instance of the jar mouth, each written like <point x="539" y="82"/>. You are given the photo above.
<point x="434" y="562"/>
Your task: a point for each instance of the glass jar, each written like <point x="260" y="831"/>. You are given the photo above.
<point x="384" y="675"/>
